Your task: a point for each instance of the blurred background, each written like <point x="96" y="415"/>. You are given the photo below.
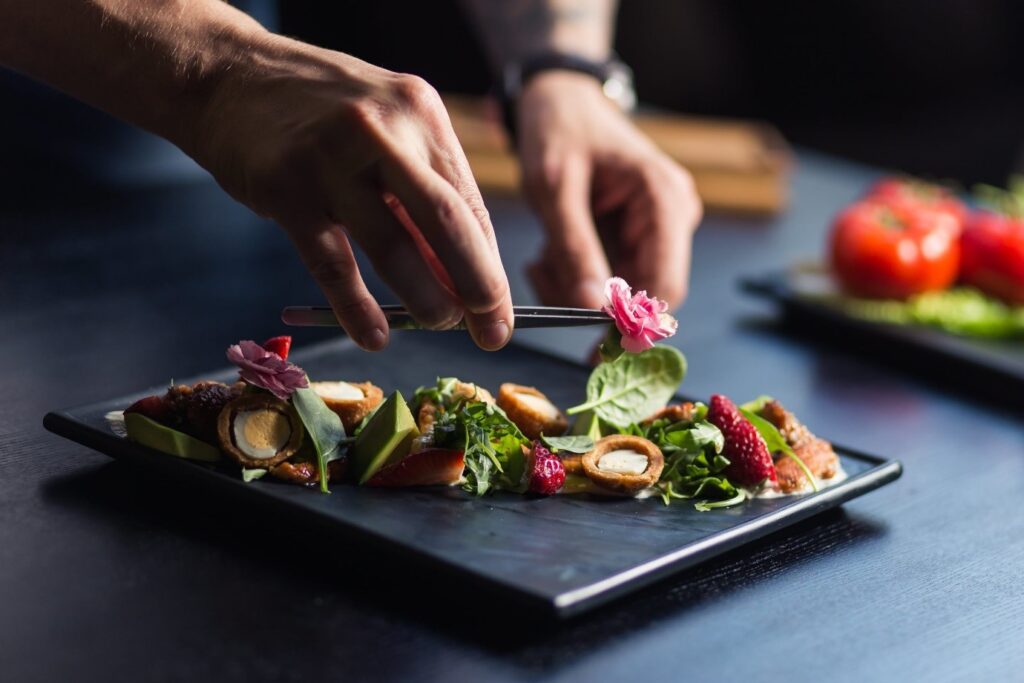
<point x="933" y="88"/>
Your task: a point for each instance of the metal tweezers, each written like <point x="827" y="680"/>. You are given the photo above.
<point x="399" y="319"/>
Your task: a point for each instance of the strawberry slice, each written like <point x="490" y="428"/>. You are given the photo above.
<point x="279" y="345"/>
<point x="153" y="407"/>
<point x="429" y="467"/>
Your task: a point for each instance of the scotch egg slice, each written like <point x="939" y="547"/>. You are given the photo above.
<point x="259" y="430"/>
<point x="351" y="401"/>
<point x="531" y="411"/>
<point x="624" y="464"/>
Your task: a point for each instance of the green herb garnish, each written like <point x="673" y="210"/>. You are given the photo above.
<point x="324" y="428"/>
<point x="634" y="386"/>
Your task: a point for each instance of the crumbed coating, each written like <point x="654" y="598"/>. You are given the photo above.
<point x="531" y="422"/>
<point x="260" y="401"/>
<point x="629" y="484"/>
<point x="572" y="462"/>
<point x="353" y="411"/>
<point x="472" y="392"/>
<point x="677" y="412"/>
<point x="815" y="452"/>
<point x="194" y="409"/>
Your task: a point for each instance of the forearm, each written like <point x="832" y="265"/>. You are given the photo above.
<point x="516" y="29"/>
<point x="150" y="62"/>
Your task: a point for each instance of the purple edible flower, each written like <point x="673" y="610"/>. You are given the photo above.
<point x="267" y="370"/>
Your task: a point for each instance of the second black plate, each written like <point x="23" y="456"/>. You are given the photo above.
<point x="980" y="363"/>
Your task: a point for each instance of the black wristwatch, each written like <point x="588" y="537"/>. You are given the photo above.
<point x="615" y="77"/>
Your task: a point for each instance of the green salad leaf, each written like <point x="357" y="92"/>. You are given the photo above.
<point x="634" y="386"/>
<point x="580" y="443"/>
<point x="492" y="443"/>
<point x="960" y="310"/>
<point x="324" y="428"/>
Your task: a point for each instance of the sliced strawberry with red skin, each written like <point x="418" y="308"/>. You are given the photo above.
<point x="430" y="467"/>
<point x="153" y="407"/>
<point x="545" y="473"/>
<point x="279" y="345"/>
<point x="750" y="462"/>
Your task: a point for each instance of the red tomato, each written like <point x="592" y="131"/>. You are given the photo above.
<point x="913" y="193"/>
<point x="894" y="251"/>
<point x="992" y="250"/>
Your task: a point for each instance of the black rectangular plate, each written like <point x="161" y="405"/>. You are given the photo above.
<point x="563" y="554"/>
<point x="981" y="363"/>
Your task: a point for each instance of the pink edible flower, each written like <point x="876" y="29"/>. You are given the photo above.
<point x="642" y="320"/>
<point x="266" y="370"/>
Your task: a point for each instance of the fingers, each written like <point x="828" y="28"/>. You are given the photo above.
<point x="658" y="226"/>
<point x="401" y="263"/>
<point x="573" y="268"/>
<point x="463" y="246"/>
<point x="328" y="256"/>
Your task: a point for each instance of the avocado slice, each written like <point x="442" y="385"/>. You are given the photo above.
<point x="151" y="433"/>
<point x="385" y="439"/>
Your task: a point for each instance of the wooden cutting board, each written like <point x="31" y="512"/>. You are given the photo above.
<point x="738" y="166"/>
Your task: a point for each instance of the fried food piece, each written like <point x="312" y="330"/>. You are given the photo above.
<point x="472" y="392"/>
<point x="624" y="464"/>
<point x="195" y="409"/>
<point x="350" y="401"/>
<point x="259" y="430"/>
<point x="816" y="453"/>
<point x="531" y="411"/>
<point x="677" y="412"/>
<point x="572" y="462"/>
<point x="305" y="472"/>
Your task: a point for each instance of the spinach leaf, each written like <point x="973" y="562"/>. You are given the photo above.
<point x="324" y="428"/>
<point x="631" y="388"/>
<point x="569" y="444"/>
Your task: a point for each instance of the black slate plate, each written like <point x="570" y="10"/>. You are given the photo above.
<point x="980" y="363"/>
<point x="561" y="554"/>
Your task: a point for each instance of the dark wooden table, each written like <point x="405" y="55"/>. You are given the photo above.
<point x="108" y="574"/>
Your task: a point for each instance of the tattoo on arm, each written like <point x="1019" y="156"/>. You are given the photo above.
<point x="515" y="29"/>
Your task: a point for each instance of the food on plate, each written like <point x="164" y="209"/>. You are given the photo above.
<point x="428" y="467"/>
<point x="545" y="472"/>
<point x="993" y="244"/>
<point x="259" y="430"/>
<point x="625" y="438"/>
<point x="531" y="410"/>
<point x="624" y="463"/>
<point x="385" y="440"/>
<point x="893" y="251"/>
<point x="918" y="194"/>
<point x="817" y="454"/>
<point x="750" y="461"/>
<point x="910" y="252"/>
<point x="351" y="401"/>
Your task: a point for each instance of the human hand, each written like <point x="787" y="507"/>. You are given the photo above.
<point x="333" y="148"/>
<point x="610" y="201"/>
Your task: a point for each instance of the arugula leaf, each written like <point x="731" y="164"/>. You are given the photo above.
<point x="323" y="427"/>
<point x="570" y="444"/>
<point x="629" y="389"/>
<point x="776" y="443"/>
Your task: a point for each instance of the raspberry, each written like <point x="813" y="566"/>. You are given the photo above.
<point x="750" y="461"/>
<point x="544" y="470"/>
